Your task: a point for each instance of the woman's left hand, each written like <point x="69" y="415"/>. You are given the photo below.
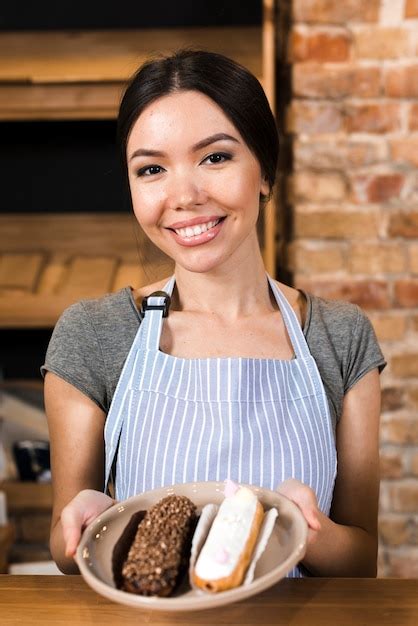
<point x="306" y="500"/>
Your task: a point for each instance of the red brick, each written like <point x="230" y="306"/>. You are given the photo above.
<point x="405" y="150"/>
<point x="391" y="464"/>
<point x="377" y="42"/>
<point x="317" y="187"/>
<point x="338" y="154"/>
<point x="314" y="118"/>
<point x="375" y="258"/>
<point x="414" y="323"/>
<point x="323" y="46"/>
<point x="405" y="365"/>
<point x="411" y="188"/>
<point x="393" y="529"/>
<point x="376" y="187"/>
<point x="399" y="430"/>
<point x="393" y="398"/>
<point x="403" y="564"/>
<point x="330" y="11"/>
<point x="406" y="292"/>
<point x="404" y="224"/>
<point x="402" y="81"/>
<point x="413" y="117"/>
<point x="389" y="326"/>
<point x="412" y="397"/>
<point x="373" y="118"/>
<point x="335" y="223"/>
<point x="404" y="496"/>
<point x="413" y="258"/>
<point x="368" y="294"/>
<point x="414" y="464"/>
<point x="313" y="80"/>
<point x="411" y="8"/>
<point x="315" y="257"/>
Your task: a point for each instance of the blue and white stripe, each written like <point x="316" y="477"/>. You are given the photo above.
<point x="256" y="421"/>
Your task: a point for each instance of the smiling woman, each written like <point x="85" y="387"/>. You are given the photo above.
<point x="218" y="371"/>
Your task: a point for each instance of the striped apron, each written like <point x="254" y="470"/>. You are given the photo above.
<point x="256" y="421"/>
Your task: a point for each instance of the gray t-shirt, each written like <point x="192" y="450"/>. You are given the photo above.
<point x="92" y="338"/>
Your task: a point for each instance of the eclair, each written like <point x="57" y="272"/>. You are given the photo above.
<point x="227" y="551"/>
<point x="160" y="550"/>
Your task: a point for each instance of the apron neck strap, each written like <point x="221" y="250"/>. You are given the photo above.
<point x="153" y="319"/>
<point x="291" y="322"/>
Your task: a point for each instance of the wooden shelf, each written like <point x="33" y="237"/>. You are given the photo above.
<point x="21" y="496"/>
<point x="50" y="260"/>
<point x="81" y="74"/>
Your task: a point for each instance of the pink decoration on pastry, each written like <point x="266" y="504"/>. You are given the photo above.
<point x="231" y="488"/>
<point x="222" y="556"/>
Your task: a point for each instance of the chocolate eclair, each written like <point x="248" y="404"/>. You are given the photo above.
<point x="160" y="551"/>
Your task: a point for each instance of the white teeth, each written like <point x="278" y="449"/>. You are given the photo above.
<point x="192" y="231"/>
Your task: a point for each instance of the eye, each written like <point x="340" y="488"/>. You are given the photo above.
<point x="218" y="157"/>
<point x="149" y="170"/>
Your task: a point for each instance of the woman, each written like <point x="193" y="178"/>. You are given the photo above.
<point x="239" y="376"/>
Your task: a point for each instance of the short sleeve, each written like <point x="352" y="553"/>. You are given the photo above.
<point x="74" y="354"/>
<point x="364" y="352"/>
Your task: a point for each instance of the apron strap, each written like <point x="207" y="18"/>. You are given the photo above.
<point x="146" y="338"/>
<point x="291" y="322"/>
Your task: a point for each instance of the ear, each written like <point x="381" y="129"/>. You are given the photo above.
<point x="265" y="187"/>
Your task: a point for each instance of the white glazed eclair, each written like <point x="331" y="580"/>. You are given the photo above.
<point x="227" y="551"/>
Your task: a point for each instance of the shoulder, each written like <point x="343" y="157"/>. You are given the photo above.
<point x="337" y="317"/>
<point x="341" y="333"/>
<point x="94" y="322"/>
<point x="107" y="309"/>
<point x="90" y="342"/>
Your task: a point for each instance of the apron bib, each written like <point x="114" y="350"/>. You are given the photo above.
<point x="255" y="421"/>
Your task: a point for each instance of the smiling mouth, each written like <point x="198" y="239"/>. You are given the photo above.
<point x="194" y="231"/>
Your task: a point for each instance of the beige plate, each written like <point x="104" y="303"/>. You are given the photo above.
<point x="285" y="548"/>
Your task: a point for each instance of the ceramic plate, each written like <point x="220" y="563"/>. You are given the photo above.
<point x="285" y="548"/>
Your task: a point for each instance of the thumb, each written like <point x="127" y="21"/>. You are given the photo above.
<point x="304" y="498"/>
<point x="71" y="538"/>
<point x="71" y="522"/>
<point x="311" y="516"/>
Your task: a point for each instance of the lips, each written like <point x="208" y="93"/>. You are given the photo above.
<point x="198" y="229"/>
<point x="199" y="233"/>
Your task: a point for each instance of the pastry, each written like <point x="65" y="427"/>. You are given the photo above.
<point x="227" y="551"/>
<point x="160" y="551"/>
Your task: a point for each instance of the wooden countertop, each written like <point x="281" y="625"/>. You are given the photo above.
<point x="305" y="602"/>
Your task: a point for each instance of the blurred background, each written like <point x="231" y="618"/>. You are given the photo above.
<point x="342" y="78"/>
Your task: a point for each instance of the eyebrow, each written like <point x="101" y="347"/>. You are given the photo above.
<point x="147" y="152"/>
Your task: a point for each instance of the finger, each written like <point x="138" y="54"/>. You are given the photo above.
<point x="311" y="516"/>
<point x="71" y="538"/>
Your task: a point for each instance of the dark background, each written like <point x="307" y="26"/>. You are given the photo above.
<point x="53" y="166"/>
<point x="73" y="165"/>
<point x="96" y="14"/>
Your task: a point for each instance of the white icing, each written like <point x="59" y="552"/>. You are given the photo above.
<point x="227" y="536"/>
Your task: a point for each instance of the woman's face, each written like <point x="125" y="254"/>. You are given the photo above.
<point x="195" y="184"/>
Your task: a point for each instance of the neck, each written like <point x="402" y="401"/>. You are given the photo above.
<point x="230" y="292"/>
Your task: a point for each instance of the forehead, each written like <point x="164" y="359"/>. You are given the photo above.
<point x="183" y="116"/>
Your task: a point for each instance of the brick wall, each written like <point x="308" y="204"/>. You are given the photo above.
<point x="353" y="194"/>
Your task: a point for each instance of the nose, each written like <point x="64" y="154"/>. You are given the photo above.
<point x="184" y="191"/>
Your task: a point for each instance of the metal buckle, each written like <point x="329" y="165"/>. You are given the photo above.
<point x="159" y="307"/>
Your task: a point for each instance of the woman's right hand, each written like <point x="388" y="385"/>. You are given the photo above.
<point x="79" y="513"/>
